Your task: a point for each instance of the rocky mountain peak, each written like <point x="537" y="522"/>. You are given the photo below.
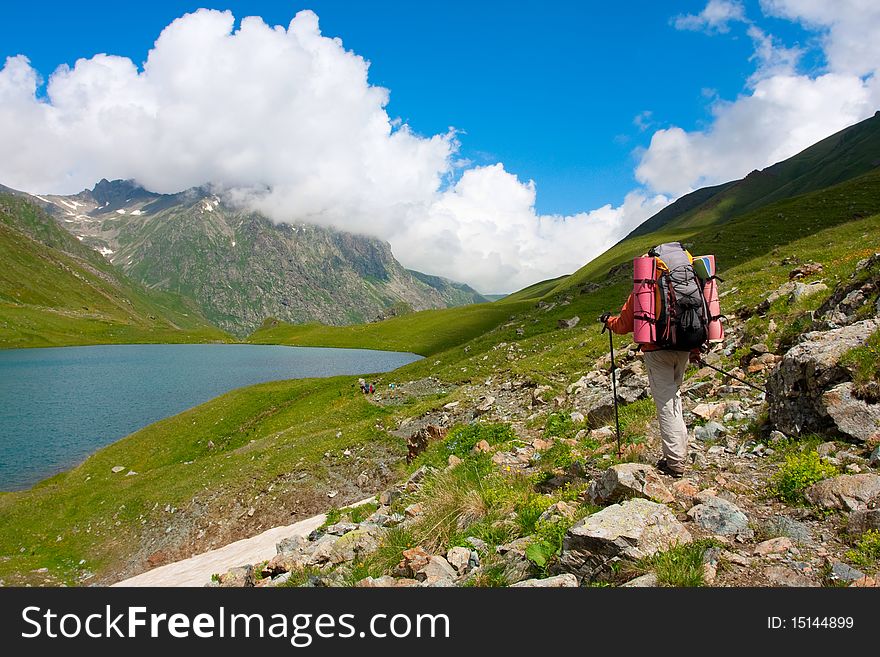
<point x="118" y="192"/>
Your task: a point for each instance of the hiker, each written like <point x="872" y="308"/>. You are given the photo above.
<point x="666" y="365"/>
<point x="371" y="387"/>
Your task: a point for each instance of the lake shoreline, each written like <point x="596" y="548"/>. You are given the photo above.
<point x="137" y="408"/>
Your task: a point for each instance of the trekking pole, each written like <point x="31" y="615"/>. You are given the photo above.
<point x="604" y="319"/>
<point x="733" y="376"/>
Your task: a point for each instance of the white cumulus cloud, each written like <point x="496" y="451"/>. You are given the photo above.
<point x="715" y="17"/>
<point x="285" y="121"/>
<point x="781" y="111"/>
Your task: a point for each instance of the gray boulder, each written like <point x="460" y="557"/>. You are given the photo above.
<point x="646" y="581"/>
<point x="852" y="416"/>
<point x="626" y="480"/>
<point x="721" y="517"/>
<point x="841" y="572"/>
<point x="709" y="431"/>
<point x="566" y="580"/>
<point x="242" y="576"/>
<point x="797" y="385"/>
<point x="845" y="492"/>
<point x="568" y="323"/>
<point x="861" y="521"/>
<point x="630" y="531"/>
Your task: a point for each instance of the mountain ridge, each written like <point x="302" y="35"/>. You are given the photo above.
<point x="241" y="268"/>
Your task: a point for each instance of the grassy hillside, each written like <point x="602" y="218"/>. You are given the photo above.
<point x="54" y="291"/>
<point x="198" y="471"/>
<point x="271" y="442"/>
<point x="266" y="454"/>
<point x="424" y="333"/>
<point x="746" y="236"/>
<point x="842" y="156"/>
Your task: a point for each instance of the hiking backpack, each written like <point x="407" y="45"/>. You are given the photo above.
<point x="682" y="321"/>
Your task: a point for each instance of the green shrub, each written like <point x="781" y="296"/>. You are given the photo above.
<point x="866" y="552"/>
<point x="528" y="512"/>
<point x="361" y="512"/>
<point x="559" y="425"/>
<point x="799" y="472"/>
<point x="864" y="363"/>
<point x="680" y="566"/>
<point x="558" y="456"/>
<point x="461" y="440"/>
<point x="334" y="515"/>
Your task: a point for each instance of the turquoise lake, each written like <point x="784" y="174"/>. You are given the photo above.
<point x="59" y="405"/>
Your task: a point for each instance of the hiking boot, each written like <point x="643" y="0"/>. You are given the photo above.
<point x="671" y="471"/>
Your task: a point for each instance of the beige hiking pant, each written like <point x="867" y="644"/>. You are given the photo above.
<point x="665" y="374"/>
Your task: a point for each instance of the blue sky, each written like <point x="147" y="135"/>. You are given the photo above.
<point x="551" y="90"/>
<point x="572" y="122"/>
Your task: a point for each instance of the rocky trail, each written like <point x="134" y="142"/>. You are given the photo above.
<point x="780" y="487"/>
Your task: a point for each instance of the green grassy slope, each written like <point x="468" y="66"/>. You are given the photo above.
<point x="270" y="440"/>
<point x="425" y="333"/>
<point x="842" y="156"/>
<point x="749" y="234"/>
<point x="205" y="463"/>
<point x="54" y="291"/>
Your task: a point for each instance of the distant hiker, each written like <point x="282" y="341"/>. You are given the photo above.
<point x="371" y="388"/>
<point x="668" y="314"/>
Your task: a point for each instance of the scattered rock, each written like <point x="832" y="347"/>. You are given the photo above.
<point x="577" y="417"/>
<point x="627" y="480"/>
<point x="721" y="517"/>
<point x="709" y="411"/>
<point x="482" y="446"/>
<point x="459" y="558"/>
<point x="793" y="529"/>
<point x="566" y="580"/>
<point x="773" y="546"/>
<point x="853" y="417"/>
<point x="414" y="560"/>
<point x="117" y="468"/>
<point x="568" y="323"/>
<point x="436" y="569"/>
<point x="782" y="576"/>
<point x="419" y="440"/>
<point x="453" y="461"/>
<point x="861" y="521"/>
<point x="386" y="581"/>
<point x="538" y="395"/>
<point x="238" y="577"/>
<point x="485" y="405"/>
<point x="806" y="269"/>
<point x="648" y="580"/>
<point x="802" y="291"/>
<point x="845" y="492"/>
<point x="841" y="572"/>
<point x="413" y="510"/>
<point x="628" y="531"/>
<point x="388" y="497"/>
<point x="709" y="431"/>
